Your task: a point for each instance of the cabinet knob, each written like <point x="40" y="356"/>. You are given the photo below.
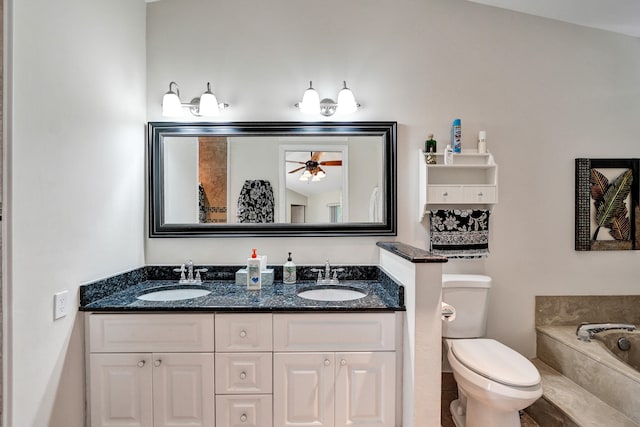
<point x="343" y="362"/>
<point x="141" y="363"/>
<point x="243" y="375"/>
<point x="445" y="194"/>
<point x="157" y="362"/>
<point x="243" y="333"/>
<point x="327" y="362"/>
<point x="243" y="418"/>
<point x="480" y="194"/>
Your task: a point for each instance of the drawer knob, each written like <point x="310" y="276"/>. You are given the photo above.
<point x="157" y="362"/>
<point x="243" y="333"/>
<point x="327" y="362"/>
<point x="141" y="363"/>
<point x="480" y="194"/>
<point x="343" y="362"/>
<point x="445" y="194"/>
<point x="243" y="418"/>
<point x="243" y="375"/>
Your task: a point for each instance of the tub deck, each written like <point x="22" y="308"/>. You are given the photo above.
<point x="589" y="385"/>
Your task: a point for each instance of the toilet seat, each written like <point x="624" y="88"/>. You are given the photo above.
<point x="495" y="361"/>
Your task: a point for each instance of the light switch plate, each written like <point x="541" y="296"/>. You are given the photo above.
<point x="60" y="301"/>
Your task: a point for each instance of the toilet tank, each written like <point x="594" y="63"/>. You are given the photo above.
<point x="468" y="294"/>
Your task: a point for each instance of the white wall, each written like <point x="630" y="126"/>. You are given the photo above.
<point x="546" y="92"/>
<point x="75" y="201"/>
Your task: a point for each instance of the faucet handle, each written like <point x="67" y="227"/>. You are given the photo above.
<point x="336" y="271"/>
<point x="198" y="271"/>
<point x="181" y="270"/>
<point x="319" y="271"/>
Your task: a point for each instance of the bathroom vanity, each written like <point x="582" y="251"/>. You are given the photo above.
<point x="267" y="358"/>
<point x="236" y="357"/>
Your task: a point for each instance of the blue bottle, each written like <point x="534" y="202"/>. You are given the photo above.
<point x="456" y="136"/>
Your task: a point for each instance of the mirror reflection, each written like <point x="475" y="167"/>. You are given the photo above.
<point x="213" y="179"/>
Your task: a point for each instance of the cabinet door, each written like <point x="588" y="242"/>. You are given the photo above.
<point x="365" y="389"/>
<point x="183" y="390"/>
<point x="303" y="392"/>
<point x="120" y="387"/>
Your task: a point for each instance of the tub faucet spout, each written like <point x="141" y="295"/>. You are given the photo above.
<point x="586" y="331"/>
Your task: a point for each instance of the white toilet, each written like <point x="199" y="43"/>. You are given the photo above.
<point x="494" y="381"/>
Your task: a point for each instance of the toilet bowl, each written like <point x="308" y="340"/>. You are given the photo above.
<point x="494" y="381"/>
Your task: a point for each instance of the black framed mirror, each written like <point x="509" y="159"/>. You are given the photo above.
<point x="272" y="179"/>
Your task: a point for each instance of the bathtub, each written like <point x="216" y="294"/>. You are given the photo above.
<point x="596" y="365"/>
<point x="617" y="341"/>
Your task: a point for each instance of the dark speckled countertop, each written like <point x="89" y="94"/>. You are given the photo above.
<point x="119" y="293"/>
<point x="227" y="296"/>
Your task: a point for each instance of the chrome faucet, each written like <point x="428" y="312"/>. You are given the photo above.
<point x="328" y="279"/>
<point x="585" y="331"/>
<point x="189" y="278"/>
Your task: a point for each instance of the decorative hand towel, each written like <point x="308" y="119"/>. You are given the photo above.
<point x="255" y="204"/>
<point x="460" y="233"/>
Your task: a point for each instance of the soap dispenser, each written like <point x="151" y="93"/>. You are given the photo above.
<point x="254" y="276"/>
<point x="289" y="271"/>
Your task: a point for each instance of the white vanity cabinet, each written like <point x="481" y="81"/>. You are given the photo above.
<point x="472" y="179"/>
<point x="244" y="370"/>
<point x="334" y="370"/>
<point x="151" y="370"/>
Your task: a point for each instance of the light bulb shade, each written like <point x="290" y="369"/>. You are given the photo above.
<point x="310" y="103"/>
<point x="209" y="105"/>
<point x="306" y="173"/>
<point x="171" y="105"/>
<point x="316" y="178"/>
<point x="303" y="178"/>
<point x="346" y="101"/>
<point x="321" y="174"/>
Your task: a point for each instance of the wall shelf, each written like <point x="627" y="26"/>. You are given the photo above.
<point x="470" y="182"/>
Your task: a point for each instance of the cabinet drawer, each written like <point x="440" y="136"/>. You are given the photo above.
<point x="243" y="332"/>
<point x="243" y="373"/>
<point x="244" y="411"/>
<point x="444" y="194"/>
<point x="334" y="332"/>
<point x="122" y="333"/>
<point x="479" y="194"/>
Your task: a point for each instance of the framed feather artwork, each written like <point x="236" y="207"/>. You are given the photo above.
<point x="607" y="204"/>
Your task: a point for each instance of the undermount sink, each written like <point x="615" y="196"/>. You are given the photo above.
<point x="331" y="293"/>
<point x="174" y="294"/>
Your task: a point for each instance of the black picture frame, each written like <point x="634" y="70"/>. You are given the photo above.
<point x="588" y="232"/>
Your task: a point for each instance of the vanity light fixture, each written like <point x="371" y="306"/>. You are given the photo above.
<point x="204" y="106"/>
<point x="311" y="103"/>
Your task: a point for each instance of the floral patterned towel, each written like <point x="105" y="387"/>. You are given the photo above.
<point x="460" y="233"/>
<point x="255" y="204"/>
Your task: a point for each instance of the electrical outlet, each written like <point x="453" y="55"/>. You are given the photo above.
<point x="60" y="301"/>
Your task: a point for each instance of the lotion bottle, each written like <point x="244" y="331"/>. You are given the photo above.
<point x="289" y="271"/>
<point x="448" y="155"/>
<point x="254" y="275"/>
<point x="482" y="142"/>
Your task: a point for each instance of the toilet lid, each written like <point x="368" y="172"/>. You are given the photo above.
<point x="495" y="361"/>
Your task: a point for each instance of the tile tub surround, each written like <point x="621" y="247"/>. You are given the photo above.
<point x="592" y="367"/>
<point x="118" y="293"/>
<point x="572" y="310"/>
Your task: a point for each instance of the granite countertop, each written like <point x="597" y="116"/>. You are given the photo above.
<point x="227" y="296"/>
<point x="411" y="253"/>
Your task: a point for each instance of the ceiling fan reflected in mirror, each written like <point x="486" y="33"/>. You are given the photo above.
<point x="312" y="168"/>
